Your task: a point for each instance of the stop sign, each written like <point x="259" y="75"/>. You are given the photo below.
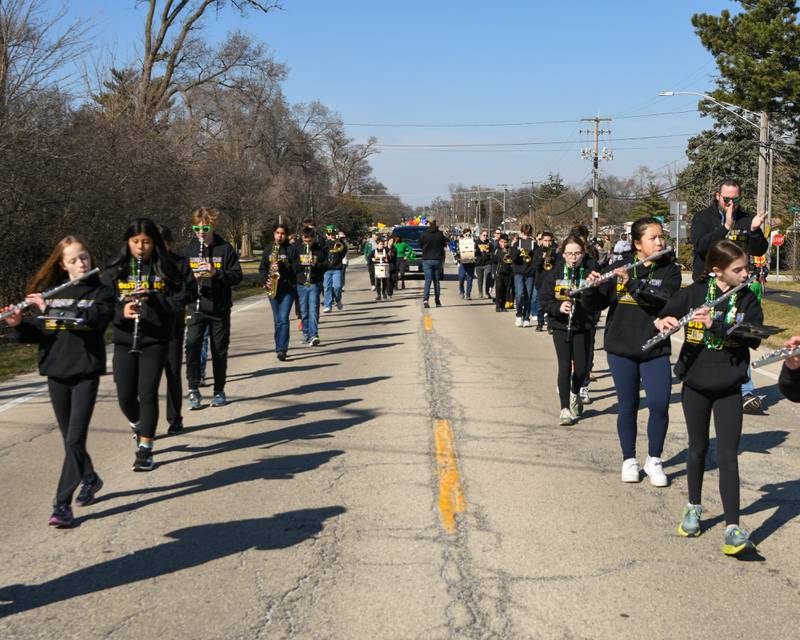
<point x="777" y="239"/>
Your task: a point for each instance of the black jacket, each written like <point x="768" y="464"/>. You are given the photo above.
<point x="189" y="292"/>
<point x="789" y="383"/>
<point x="483" y="252"/>
<point x="540" y="264"/>
<point x="709" y="369"/>
<point x="161" y="309"/>
<point x="555" y="286"/>
<point x="502" y="268"/>
<point x="311" y="263"/>
<point x="522" y="268"/>
<point x="68" y="350"/>
<point x="391" y="257"/>
<point x="335" y="258"/>
<point x="634" y="307"/>
<point x="708" y="228"/>
<point x="216" y="297"/>
<point x="286" y="264"/>
<point x="433" y="244"/>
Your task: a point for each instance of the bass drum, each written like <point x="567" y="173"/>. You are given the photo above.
<point x="381" y="270"/>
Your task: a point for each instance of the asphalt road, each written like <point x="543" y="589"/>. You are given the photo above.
<point x="405" y="479"/>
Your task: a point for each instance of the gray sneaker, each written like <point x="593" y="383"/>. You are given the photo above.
<point x="690" y="521"/>
<point x="194" y="399"/>
<point x="575" y="405"/>
<point x="737" y="541"/>
<point x="219" y="400"/>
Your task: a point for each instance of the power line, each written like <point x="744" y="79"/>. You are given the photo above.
<point x="522" y="144"/>
<point x="411" y="125"/>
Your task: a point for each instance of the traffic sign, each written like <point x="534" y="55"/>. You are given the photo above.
<point x="777" y="239"/>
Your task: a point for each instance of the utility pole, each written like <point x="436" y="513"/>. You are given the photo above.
<point x="587" y="153"/>
<point x="505" y="209"/>
<point x="763" y="152"/>
<point x="531" y="208"/>
<point x="478" y="208"/>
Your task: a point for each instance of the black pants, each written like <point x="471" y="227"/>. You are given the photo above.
<point x="727" y="409"/>
<point x="73" y="403"/>
<point x="577" y="351"/>
<point x="220" y="339"/>
<point x="501" y="289"/>
<point x="137" y="378"/>
<point x="371" y="269"/>
<point x="172" y="372"/>
<point x="402" y="267"/>
<point x="383" y="287"/>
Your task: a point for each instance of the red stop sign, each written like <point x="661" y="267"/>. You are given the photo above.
<point x="777" y="239"/>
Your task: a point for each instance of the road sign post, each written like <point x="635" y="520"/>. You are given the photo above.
<point x="777" y="241"/>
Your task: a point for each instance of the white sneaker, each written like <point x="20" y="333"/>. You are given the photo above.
<point x="326" y="310"/>
<point x="566" y="418"/>
<point x="518" y="321"/>
<point x="373" y="287"/>
<point x="575" y="404"/>
<point x="526" y="323"/>
<point x="630" y="470"/>
<point x="652" y="467"/>
<point x="584" y="393"/>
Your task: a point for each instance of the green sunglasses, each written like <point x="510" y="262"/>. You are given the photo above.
<point x="205" y="228"/>
<point x="734" y="199"/>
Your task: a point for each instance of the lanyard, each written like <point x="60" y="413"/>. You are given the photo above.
<point x="569" y="274"/>
<point x="728" y="319"/>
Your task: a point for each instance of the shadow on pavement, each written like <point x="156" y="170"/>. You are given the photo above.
<point x="332" y="385"/>
<point x="315" y="352"/>
<point x="280" y="468"/>
<point x="277" y="370"/>
<point x="192" y="547"/>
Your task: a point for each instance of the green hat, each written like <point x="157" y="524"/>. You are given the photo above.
<point x="330" y="227"/>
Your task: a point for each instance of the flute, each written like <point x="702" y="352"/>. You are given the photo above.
<point x="688" y="317"/>
<point x="777" y="356"/>
<point x="611" y="275"/>
<point x="47" y="294"/>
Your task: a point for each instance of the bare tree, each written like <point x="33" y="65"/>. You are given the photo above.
<point x="174" y="61"/>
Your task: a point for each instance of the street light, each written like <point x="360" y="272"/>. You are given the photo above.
<point x="762" y="195"/>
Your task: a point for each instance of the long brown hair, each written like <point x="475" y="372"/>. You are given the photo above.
<point x="51" y="272"/>
<point x="721" y="255"/>
<point x="574" y="239"/>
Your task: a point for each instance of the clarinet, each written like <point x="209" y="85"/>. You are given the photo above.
<point x="47" y="294"/>
<point x="200" y="280"/>
<point x="688" y="317"/>
<point x="135" y="341"/>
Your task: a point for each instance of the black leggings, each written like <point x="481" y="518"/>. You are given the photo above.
<point x="727" y="409"/>
<point x="137" y="378"/>
<point x="577" y="351"/>
<point x="73" y="403"/>
<point x="172" y="372"/>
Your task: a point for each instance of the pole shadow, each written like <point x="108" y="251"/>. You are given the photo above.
<point x="190" y="547"/>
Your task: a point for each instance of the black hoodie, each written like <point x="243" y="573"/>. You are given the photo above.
<point x="160" y="310"/>
<point x="216" y="297"/>
<point x="335" y="258"/>
<point x="555" y="286"/>
<point x="311" y="262"/>
<point x="789" y="383"/>
<point x="634" y="307"/>
<point x="522" y="268"/>
<point x="540" y="264"/>
<point x="68" y="350"/>
<point x="286" y="259"/>
<point x="708" y="227"/>
<point x="709" y="369"/>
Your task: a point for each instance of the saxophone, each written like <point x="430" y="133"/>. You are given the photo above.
<point x="274" y="273"/>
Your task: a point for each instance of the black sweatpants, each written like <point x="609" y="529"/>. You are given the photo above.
<point x="73" y="403"/>
<point x="137" y="378"/>
<point x="220" y="333"/>
<point x="577" y="351"/>
<point x="383" y="287"/>
<point x="172" y="373"/>
<point x="501" y="289"/>
<point x="727" y="409"/>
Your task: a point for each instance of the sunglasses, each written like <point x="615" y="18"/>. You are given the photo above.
<point x="734" y="199"/>
<point x="205" y="228"/>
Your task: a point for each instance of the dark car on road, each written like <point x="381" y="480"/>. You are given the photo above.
<point x="411" y="234"/>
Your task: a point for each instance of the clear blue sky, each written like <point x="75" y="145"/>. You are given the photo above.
<point x="464" y="61"/>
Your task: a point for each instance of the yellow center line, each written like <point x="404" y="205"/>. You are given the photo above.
<point x="451" y="495"/>
<point x="427" y="321"/>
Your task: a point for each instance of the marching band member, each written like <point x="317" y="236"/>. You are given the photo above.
<point x="544" y="259"/>
<point x="72" y="354"/>
<point x="172" y="367"/>
<point x="526" y="298"/>
<point x="789" y="380"/>
<point x="310" y="259"/>
<point x="502" y="273"/>
<point x="277" y="269"/>
<point x="336" y="251"/>
<point x="571" y="323"/>
<point x="634" y="299"/>
<point x="713" y="365"/>
<point x="151" y="296"/>
<point x="381" y="258"/>
<point x="216" y="270"/>
<point x="466" y="265"/>
<point x="483" y="264"/>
